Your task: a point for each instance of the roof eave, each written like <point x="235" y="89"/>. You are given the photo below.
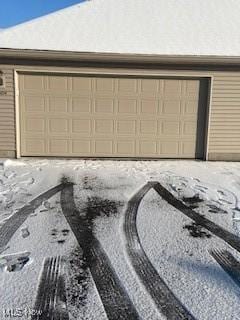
<point x="6" y="53"/>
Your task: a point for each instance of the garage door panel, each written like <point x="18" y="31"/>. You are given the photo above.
<point x="170" y="148"/>
<point x="104" y="106"/>
<point x="109" y="116"/>
<point x="190" y="128"/>
<point x="58" y="126"/>
<point x="191" y="107"/>
<point x="150" y="86"/>
<point x="125" y="148"/>
<point x="34" y="146"/>
<point x="82" y="126"/>
<point x="172" y="88"/>
<point x="147" y="148"/>
<point x="105" y="85"/>
<point x="82" y="85"/>
<point x="81" y="105"/>
<point x="32" y="82"/>
<point x="34" y="125"/>
<point x="127" y="86"/>
<point x="103" y="147"/>
<point x="103" y="126"/>
<point x="148" y="127"/>
<point x="127" y="106"/>
<point x="171" y="107"/>
<point x="171" y="128"/>
<point x="149" y="106"/>
<point x="81" y="147"/>
<point x="192" y="89"/>
<point x="127" y="127"/>
<point x="57" y="84"/>
<point x="33" y="104"/>
<point x="188" y="147"/>
<point x="59" y="146"/>
<point x="59" y="104"/>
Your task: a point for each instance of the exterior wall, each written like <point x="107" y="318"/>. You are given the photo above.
<point x="224" y="126"/>
<point x="7" y="115"/>
<point x="224" y="131"/>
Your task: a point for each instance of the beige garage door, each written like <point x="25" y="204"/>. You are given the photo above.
<point x="87" y="116"/>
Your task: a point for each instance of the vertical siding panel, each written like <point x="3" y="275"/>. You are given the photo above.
<point x="224" y="130"/>
<point x="7" y="113"/>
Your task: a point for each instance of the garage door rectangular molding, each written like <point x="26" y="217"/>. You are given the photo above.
<point x="112" y="116"/>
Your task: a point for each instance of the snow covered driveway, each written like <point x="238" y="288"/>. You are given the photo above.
<point x="119" y="240"/>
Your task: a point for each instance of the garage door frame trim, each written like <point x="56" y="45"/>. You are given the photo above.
<point x="165" y="74"/>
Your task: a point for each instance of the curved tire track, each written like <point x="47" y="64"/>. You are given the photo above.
<point x="17" y="219"/>
<point x="163" y="297"/>
<point x="227" y="236"/>
<point x="115" y="299"/>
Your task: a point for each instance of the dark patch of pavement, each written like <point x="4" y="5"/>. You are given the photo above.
<point x="196" y="231"/>
<point x="115" y="299"/>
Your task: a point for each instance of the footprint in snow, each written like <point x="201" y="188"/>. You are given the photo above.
<point x="14" y="262"/>
<point x="9" y="175"/>
<point x="9" y="205"/>
<point x="33" y="214"/>
<point x="216" y="209"/>
<point x="31" y="181"/>
<point x="47" y="205"/>
<point x="25" y="232"/>
<point x="221" y="193"/>
<point x="225" y="201"/>
<point x="27" y="182"/>
<point x="65" y="232"/>
<point x="54" y="232"/>
<point x="202" y="187"/>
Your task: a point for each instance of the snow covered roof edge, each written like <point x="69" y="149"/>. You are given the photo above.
<point x="173" y="28"/>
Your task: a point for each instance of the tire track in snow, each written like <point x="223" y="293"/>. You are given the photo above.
<point x="12" y="224"/>
<point x="50" y="301"/>
<point x="227" y="236"/>
<point x="164" y="298"/>
<point x="229" y="264"/>
<point x="115" y="299"/>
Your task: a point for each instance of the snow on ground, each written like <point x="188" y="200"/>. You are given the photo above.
<point x="40" y="243"/>
<point x="177" y="248"/>
<point x="184" y="261"/>
<point x="48" y="235"/>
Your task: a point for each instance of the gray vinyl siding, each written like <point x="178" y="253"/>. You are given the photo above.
<point x="7" y="113"/>
<point x="224" y="115"/>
